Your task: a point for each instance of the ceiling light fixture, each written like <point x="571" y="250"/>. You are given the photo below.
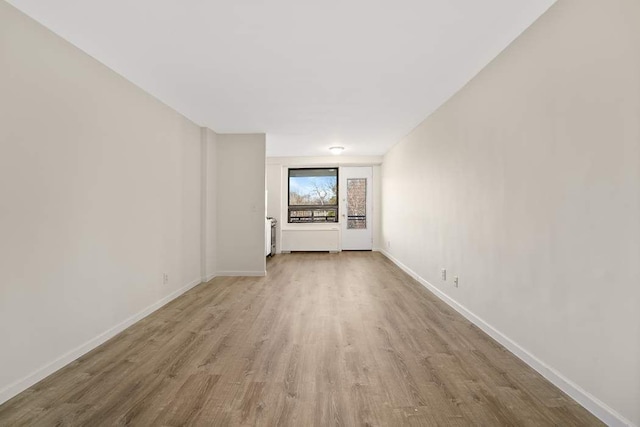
<point x="336" y="150"/>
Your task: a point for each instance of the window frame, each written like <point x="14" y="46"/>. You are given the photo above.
<point x="313" y="207"/>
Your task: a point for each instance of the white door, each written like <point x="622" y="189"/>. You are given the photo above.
<point x="355" y="208"/>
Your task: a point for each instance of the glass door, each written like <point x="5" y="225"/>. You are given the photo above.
<point x="355" y="197"/>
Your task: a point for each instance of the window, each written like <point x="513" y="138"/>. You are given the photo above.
<point x="356" y="203"/>
<point x="313" y="195"/>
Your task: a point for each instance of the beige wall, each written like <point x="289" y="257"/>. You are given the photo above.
<point x="241" y="204"/>
<point x="526" y="184"/>
<point x="210" y="195"/>
<point x="99" y="196"/>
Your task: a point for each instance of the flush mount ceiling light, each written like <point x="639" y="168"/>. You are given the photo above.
<point x="336" y="150"/>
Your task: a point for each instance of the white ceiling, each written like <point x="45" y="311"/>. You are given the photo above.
<point x="309" y="73"/>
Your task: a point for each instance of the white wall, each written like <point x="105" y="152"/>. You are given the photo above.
<point x="526" y="184"/>
<point x="241" y="204"/>
<point x="277" y="187"/>
<point x="99" y="196"/>
<point x="274" y="198"/>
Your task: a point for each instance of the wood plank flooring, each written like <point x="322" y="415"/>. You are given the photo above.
<point x="325" y="339"/>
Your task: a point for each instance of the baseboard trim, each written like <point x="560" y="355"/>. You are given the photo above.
<point x="241" y="273"/>
<point x="210" y="277"/>
<point x="19" y="386"/>
<point x="598" y="408"/>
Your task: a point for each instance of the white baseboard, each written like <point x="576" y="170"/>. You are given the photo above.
<point x="210" y="277"/>
<point x="19" y="386"/>
<point x="584" y="398"/>
<point x="242" y="273"/>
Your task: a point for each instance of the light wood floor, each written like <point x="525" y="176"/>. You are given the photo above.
<point x="325" y="339"/>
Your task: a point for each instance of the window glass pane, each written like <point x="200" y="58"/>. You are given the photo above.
<point x="308" y="172"/>
<point x="357" y="224"/>
<point x="313" y="215"/>
<point x="357" y="203"/>
<point x="313" y="187"/>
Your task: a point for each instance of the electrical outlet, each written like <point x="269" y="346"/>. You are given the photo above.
<point x="444" y="274"/>
<point x="165" y="278"/>
<point x="455" y="281"/>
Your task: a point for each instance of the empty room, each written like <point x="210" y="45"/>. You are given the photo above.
<point x="295" y="213"/>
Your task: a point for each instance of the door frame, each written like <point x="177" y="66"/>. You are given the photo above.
<point x="360" y="239"/>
